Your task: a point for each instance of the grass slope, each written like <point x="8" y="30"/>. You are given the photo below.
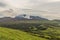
<point x="12" y="34"/>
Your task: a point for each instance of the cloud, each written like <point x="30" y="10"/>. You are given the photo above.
<point x="2" y="4"/>
<point x="53" y="0"/>
<point x="26" y="3"/>
<point x="45" y="5"/>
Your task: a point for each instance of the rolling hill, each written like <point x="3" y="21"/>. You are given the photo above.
<point x="12" y="34"/>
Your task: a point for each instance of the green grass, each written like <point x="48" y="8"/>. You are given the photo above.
<point x="52" y="32"/>
<point x="12" y="34"/>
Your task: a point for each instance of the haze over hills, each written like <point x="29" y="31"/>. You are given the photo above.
<point x="15" y="12"/>
<point x="48" y="9"/>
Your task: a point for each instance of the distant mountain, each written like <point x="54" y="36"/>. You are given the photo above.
<point x="7" y="19"/>
<point x="18" y="18"/>
<point x="37" y="18"/>
<point x="24" y="16"/>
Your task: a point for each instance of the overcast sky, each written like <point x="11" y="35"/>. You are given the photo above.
<point x="26" y="3"/>
<point x="45" y="5"/>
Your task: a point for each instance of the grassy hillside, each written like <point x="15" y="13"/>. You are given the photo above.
<point x="39" y="30"/>
<point x="12" y="34"/>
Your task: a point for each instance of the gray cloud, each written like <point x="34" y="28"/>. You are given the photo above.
<point x="2" y="4"/>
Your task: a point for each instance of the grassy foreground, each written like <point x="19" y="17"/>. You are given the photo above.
<point x="12" y="34"/>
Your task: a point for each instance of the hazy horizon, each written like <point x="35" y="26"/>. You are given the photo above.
<point x="50" y="8"/>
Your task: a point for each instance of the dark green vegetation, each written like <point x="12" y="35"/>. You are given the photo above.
<point x="49" y="30"/>
<point x="12" y="34"/>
